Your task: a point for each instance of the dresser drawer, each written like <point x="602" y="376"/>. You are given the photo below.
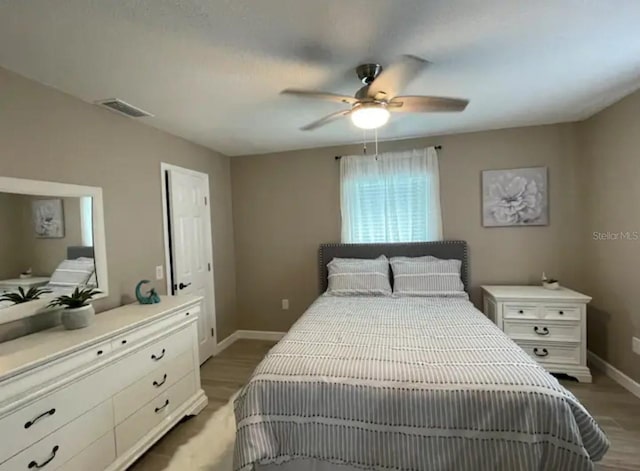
<point x="160" y="409"/>
<point x="521" y="311"/>
<point x="158" y="353"/>
<point x="97" y="456"/>
<point x="40" y="376"/>
<point x="38" y="419"/>
<point x="129" y="400"/>
<point x="561" y="312"/>
<point x="568" y="354"/>
<point x="543" y="330"/>
<point x="59" y="447"/>
<point x="156" y="328"/>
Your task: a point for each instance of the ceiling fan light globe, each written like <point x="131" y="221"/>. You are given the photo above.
<point x="370" y="117"/>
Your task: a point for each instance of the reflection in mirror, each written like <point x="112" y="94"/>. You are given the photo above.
<point x="46" y="243"/>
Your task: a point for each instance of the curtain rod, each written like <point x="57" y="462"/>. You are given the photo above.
<point x="338" y="157"/>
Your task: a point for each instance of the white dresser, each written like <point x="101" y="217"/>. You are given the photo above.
<point x="550" y="325"/>
<point x="97" y="398"/>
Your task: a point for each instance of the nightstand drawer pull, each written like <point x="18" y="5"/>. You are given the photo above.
<point x="35" y="464"/>
<point x="544" y="353"/>
<point x="160" y="383"/>
<point x="520" y="311"/>
<point x="155" y="357"/>
<point x="561" y="312"/>
<point x="41" y="416"/>
<point x="543" y="331"/>
<point x="158" y="409"/>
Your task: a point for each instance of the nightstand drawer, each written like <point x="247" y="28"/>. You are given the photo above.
<point x="543" y="331"/>
<point x="521" y="311"/>
<point x="568" y="354"/>
<point x="561" y="312"/>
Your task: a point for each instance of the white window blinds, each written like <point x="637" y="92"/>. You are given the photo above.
<point x="394" y="198"/>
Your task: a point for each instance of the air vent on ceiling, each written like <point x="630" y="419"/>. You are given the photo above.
<point x="123" y="107"/>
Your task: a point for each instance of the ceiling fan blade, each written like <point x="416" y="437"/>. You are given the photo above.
<point x="426" y="104"/>
<point x="396" y="77"/>
<point x="326" y="120"/>
<point x="326" y="96"/>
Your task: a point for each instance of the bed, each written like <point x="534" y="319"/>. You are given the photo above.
<point x="411" y="383"/>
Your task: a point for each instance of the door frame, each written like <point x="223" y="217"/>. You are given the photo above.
<point x="168" y="272"/>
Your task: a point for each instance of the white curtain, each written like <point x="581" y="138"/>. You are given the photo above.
<point x="392" y="198"/>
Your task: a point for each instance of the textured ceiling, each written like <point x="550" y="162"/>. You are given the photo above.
<point x="210" y="70"/>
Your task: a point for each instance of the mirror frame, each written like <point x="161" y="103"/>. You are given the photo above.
<point x="54" y="189"/>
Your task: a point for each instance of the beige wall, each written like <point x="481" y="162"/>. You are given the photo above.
<point x="11" y="261"/>
<point x="609" y="170"/>
<point x="286" y="204"/>
<point x="47" y="135"/>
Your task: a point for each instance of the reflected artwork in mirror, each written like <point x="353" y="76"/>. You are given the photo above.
<point x="46" y="246"/>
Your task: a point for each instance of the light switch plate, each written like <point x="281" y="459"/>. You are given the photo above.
<point x="635" y="345"/>
<point x="159" y="272"/>
<point x="285" y="304"/>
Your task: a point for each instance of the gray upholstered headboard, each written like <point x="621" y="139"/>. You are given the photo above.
<point x="74" y="252"/>
<point x="446" y="249"/>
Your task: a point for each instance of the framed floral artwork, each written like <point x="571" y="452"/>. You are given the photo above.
<point x="515" y="197"/>
<point x="48" y="218"/>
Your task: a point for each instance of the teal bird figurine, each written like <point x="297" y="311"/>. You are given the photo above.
<point x="151" y="297"/>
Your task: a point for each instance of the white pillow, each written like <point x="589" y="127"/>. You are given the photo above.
<point x="426" y="276"/>
<point x="355" y="276"/>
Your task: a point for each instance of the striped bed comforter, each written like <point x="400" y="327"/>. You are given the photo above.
<point x="408" y="384"/>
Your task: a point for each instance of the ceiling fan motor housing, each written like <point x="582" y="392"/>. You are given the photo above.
<point x="367" y="73"/>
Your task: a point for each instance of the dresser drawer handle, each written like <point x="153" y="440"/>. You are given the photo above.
<point x="520" y="311"/>
<point x="544" y="353"/>
<point x="35" y="464"/>
<point x="155" y="357"/>
<point x="561" y="312"/>
<point x="543" y="331"/>
<point x="158" y="384"/>
<point x="158" y="409"/>
<point x="41" y="416"/>
<point x="123" y="341"/>
<point x="99" y="352"/>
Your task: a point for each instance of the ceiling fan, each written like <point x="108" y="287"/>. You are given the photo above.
<point x="372" y="104"/>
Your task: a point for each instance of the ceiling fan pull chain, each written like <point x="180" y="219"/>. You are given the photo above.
<point x="364" y="142"/>
<point x="375" y="133"/>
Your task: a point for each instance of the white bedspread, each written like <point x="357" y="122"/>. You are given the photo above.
<point x="409" y="384"/>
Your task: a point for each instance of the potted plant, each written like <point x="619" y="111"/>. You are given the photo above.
<point x="78" y="313"/>
<point x="20" y="296"/>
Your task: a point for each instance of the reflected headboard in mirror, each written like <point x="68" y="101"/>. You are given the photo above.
<point x="42" y="224"/>
<point x="74" y="252"/>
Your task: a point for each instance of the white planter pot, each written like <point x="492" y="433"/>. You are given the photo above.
<point x="78" y="318"/>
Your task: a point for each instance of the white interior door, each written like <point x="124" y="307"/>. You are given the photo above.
<point x="191" y="264"/>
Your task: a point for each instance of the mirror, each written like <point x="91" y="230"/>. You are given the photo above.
<point x="52" y="240"/>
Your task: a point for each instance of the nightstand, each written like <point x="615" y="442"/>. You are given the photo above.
<point x="24" y="283"/>
<point x="550" y="325"/>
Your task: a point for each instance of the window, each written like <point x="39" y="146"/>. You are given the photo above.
<point x="394" y="198"/>
<point x="86" y="220"/>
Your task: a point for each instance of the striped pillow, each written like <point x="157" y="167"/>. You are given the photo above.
<point x="426" y="276"/>
<point x="73" y="272"/>
<point x="354" y="276"/>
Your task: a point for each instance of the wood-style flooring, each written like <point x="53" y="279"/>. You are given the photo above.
<point x="616" y="410"/>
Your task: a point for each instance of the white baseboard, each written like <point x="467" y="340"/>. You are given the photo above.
<point x="249" y="335"/>
<point x="260" y="335"/>
<point x="227" y="342"/>
<point x="615" y="374"/>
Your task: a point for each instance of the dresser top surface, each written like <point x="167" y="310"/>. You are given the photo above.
<point x="534" y="293"/>
<point x="32" y="350"/>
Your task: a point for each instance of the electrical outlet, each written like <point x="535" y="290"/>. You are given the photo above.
<point x="159" y="272"/>
<point x="635" y="345"/>
<point x="285" y="304"/>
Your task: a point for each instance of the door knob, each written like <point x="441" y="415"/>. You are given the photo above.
<point x="183" y="285"/>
